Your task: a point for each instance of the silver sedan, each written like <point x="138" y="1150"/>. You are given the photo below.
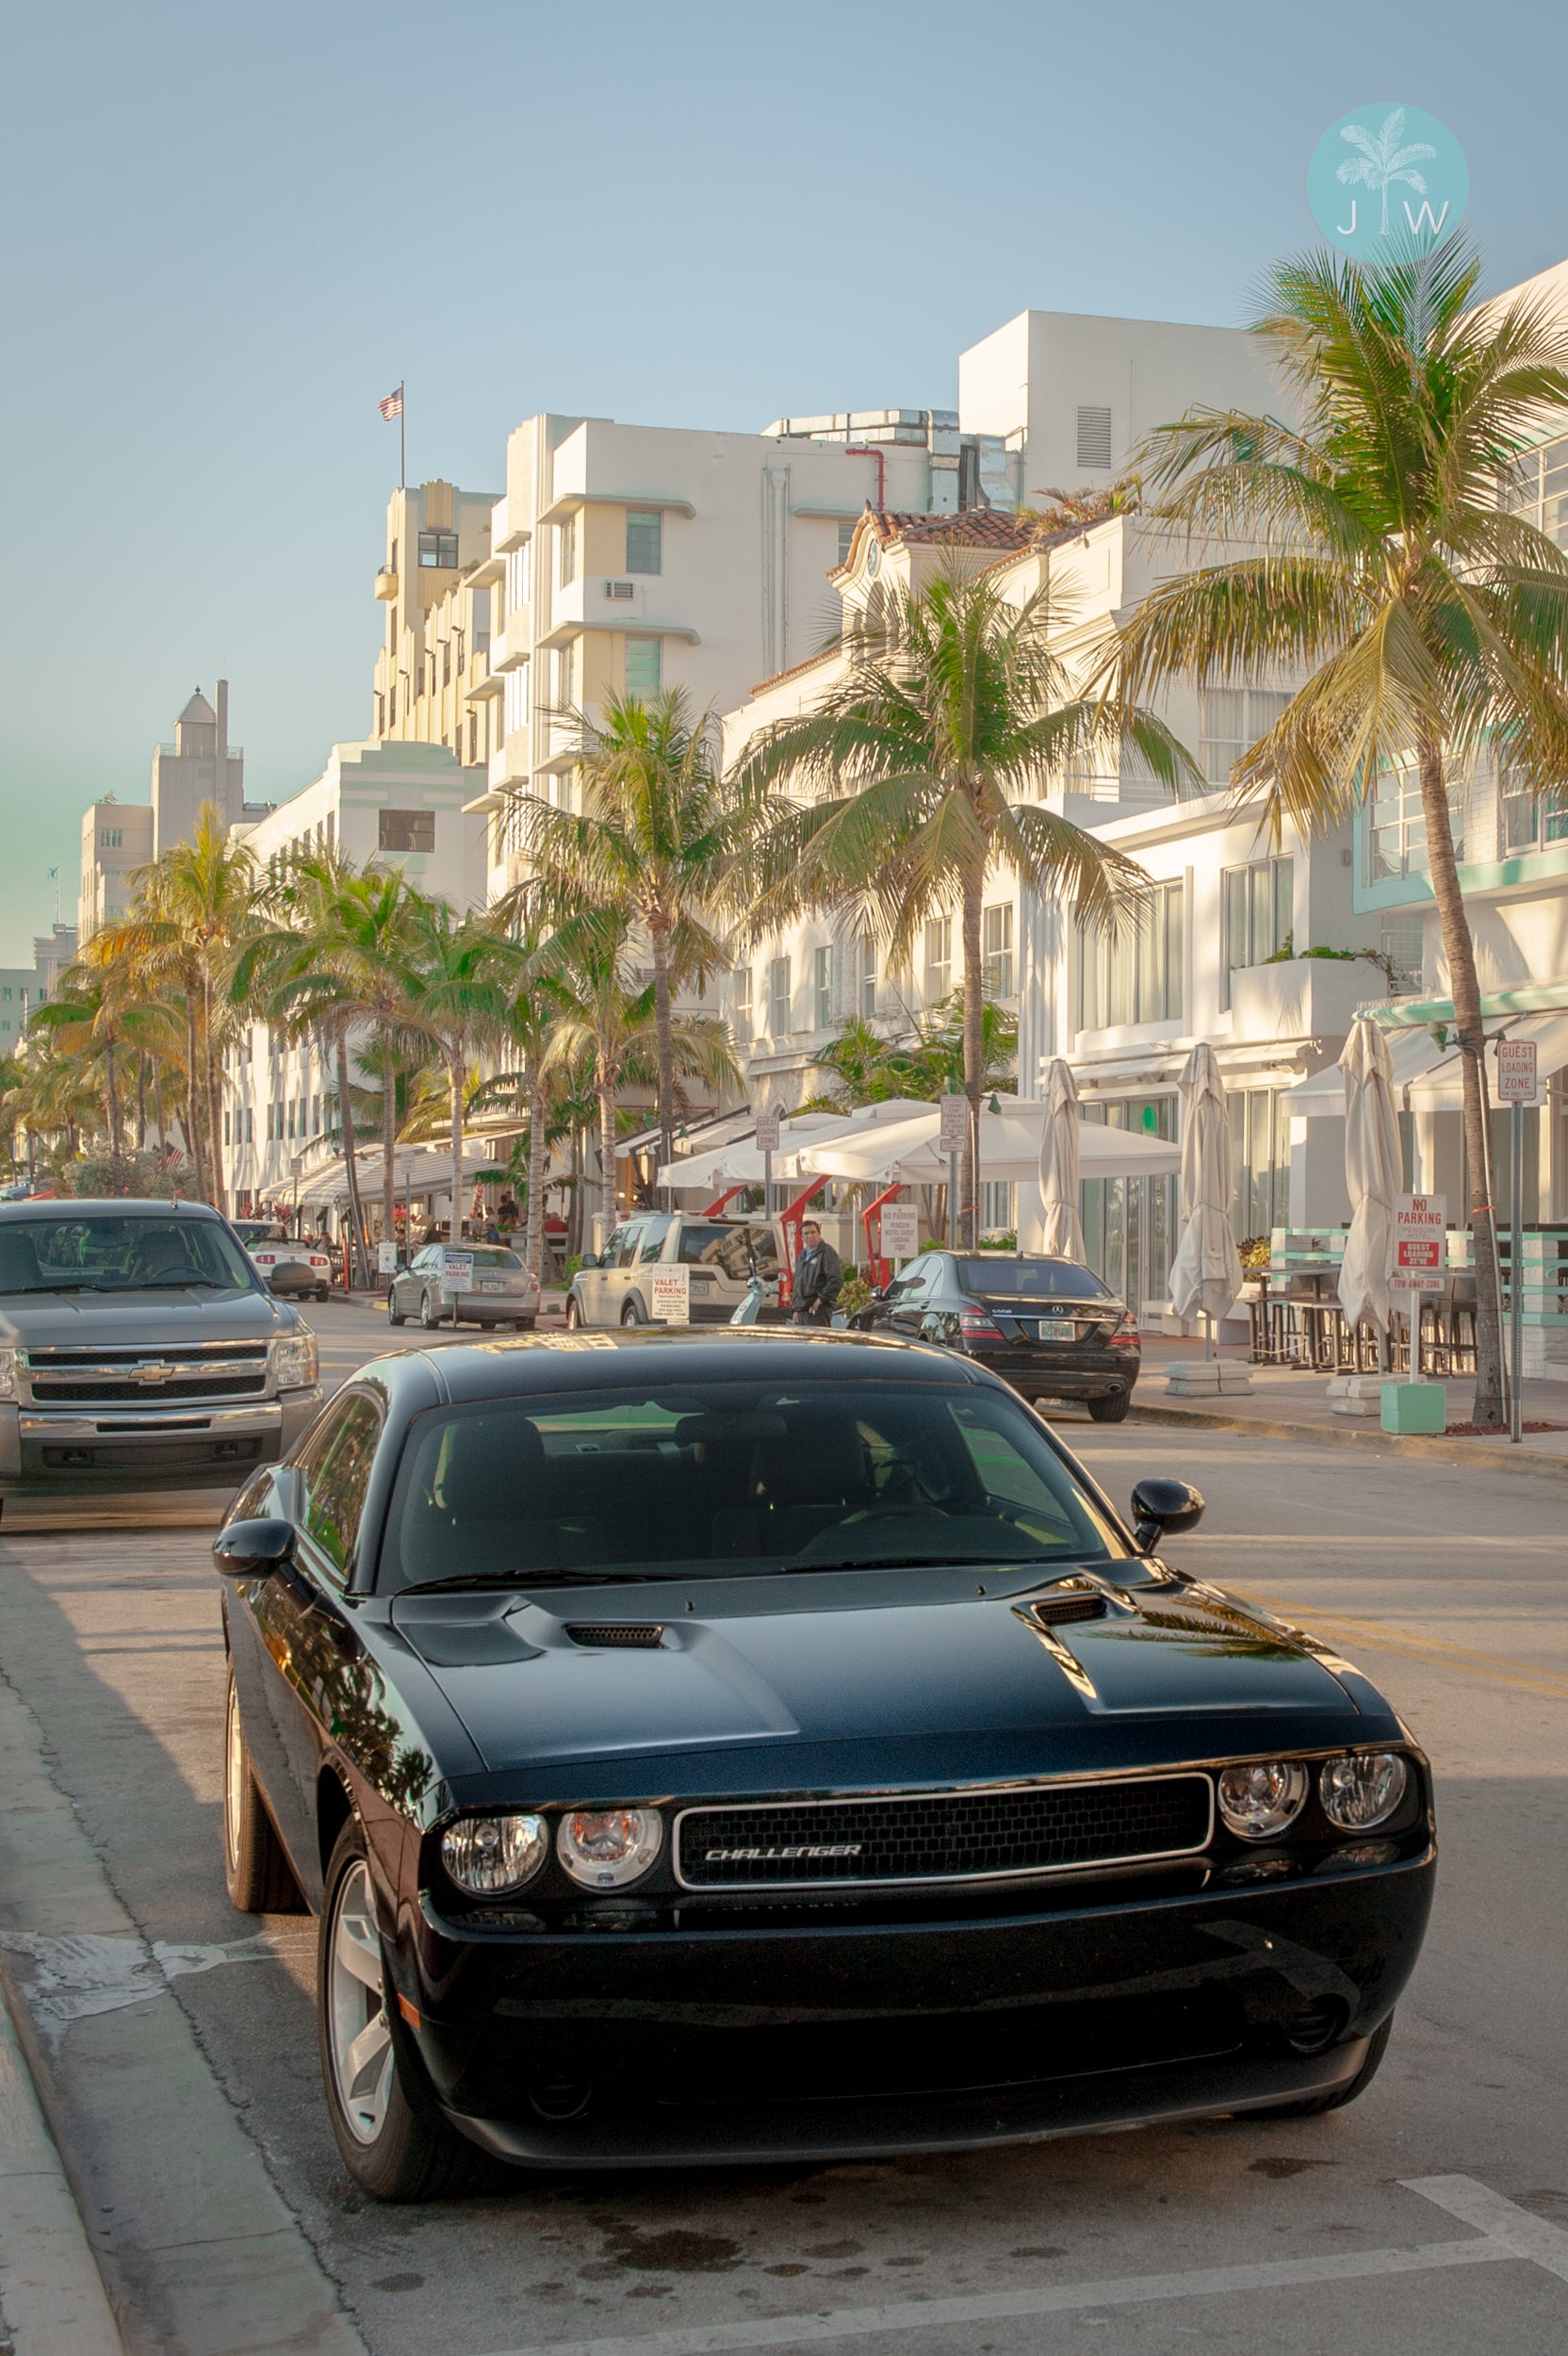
<point x="481" y="1283"/>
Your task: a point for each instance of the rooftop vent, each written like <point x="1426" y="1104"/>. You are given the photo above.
<point x="1094" y="439"/>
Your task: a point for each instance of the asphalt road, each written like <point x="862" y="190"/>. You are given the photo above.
<point x="1447" y="1585"/>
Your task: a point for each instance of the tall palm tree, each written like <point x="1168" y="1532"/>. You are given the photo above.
<point x="86" y="1021"/>
<point x="462" y="967"/>
<point x="1433" y="624"/>
<point x="915" y="779"/>
<point x="658" y="835"/>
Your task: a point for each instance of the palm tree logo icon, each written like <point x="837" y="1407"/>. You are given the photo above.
<point x="1381" y="163"/>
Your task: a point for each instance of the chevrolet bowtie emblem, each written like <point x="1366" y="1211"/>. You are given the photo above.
<point x="154" y="1373"/>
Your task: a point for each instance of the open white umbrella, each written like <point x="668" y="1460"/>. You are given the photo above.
<point x="1205" y="1275"/>
<point x="1064" y="1230"/>
<point x="1372" y="1175"/>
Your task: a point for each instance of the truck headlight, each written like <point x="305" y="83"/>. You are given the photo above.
<point x="606" y="1849"/>
<point x="294" y="1362"/>
<point x="8" y="1374"/>
<point x="487" y="1856"/>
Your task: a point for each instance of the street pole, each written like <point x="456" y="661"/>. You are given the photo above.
<point x="767" y="1186"/>
<point x="1515" y="1278"/>
<point x="953" y="1161"/>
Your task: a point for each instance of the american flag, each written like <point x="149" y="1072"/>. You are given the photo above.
<point x="392" y="406"/>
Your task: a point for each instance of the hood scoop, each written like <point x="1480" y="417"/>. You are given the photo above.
<point x="1056" y="1611"/>
<point x="616" y="1635"/>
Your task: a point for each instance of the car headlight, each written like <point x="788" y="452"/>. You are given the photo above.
<point x="8" y="1374"/>
<point x="1259" y="1800"/>
<point x="488" y="1855"/>
<point x="294" y="1359"/>
<point x="1361" y="1791"/>
<point x="606" y="1849"/>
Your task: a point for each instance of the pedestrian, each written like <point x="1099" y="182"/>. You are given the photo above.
<point x="818" y="1279"/>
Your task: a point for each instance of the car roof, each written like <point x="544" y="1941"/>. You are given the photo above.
<point x="606" y="1362"/>
<point x="106" y="1206"/>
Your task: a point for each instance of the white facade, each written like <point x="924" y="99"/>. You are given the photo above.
<point x="200" y="766"/>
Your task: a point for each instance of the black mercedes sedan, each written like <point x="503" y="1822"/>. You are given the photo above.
<point x="1047" y="1326"/>
<point x="760" y="1746"/>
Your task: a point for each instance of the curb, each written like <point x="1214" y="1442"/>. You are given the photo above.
<point x="1433" y="1450"/>
<point x="50" y="2287"/>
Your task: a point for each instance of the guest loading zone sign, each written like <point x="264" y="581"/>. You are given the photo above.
<point x="1420" y="1227"/>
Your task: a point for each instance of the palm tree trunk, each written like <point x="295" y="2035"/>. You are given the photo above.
<point x="111" y="1107"/>
<point x="389" y="1139"/>
<point x="534" y="1253"/>
<point x="1460" y="950"/>
<point x="140" y="1102"/>
<point x="975" y="1059"/>
<point x="454" y="1067"/>
<point x="214" y="1095"/>
<point x="604" y="1089"/>
<point x="351" y="1165"/>
<point x="192" y="1125"/>
<point x="157" y="1103"/>
<point x="664" y="1034"/>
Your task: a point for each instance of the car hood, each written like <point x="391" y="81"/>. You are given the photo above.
<point x="847" y="1657"/>
<point x="161" y="1319"/>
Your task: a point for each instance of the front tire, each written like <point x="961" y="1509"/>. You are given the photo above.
<point x="389" y="2129"/>
<point x="574" y="1315"/>
<point x="631" y="1315"/>
<point x="427" y="1313"/>
<point x="394" y="1314"/>
<point x="1112" y="1409"/>
<point x="256" y="1870"/>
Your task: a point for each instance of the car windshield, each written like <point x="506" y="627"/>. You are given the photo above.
<point x="490" y="1255"/>
<point x="1006" y="1279"/>
<point x="731" y="1480"/>
<point x="118" y="1254"/>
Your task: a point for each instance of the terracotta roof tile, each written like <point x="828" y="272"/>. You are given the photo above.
<point x="776" y="678"/>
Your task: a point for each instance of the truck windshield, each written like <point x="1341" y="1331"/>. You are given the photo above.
<point x="118" y="1254"/>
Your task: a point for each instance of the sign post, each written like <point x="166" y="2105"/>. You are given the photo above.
<point x="767" y="1139"/>
<point x="1518" y="1085"/>
<point x="953" y="1138"/>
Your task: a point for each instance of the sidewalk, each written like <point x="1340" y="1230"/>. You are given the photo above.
<point x="1288" y="1404"/>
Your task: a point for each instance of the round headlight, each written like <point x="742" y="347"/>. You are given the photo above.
<point x="1260" y="1800"/>
<point x="605" y="1850"/>
<point x="1363" y="1791"/>
<point x="489" y="1854"/>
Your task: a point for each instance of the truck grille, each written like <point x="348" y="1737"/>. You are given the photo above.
<point x="963" y="1836"/>
<point x="143" y="1376"/>
<point x="109" y="1392"/>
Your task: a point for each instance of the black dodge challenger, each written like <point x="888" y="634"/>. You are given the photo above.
<point x="756" y="1746"/>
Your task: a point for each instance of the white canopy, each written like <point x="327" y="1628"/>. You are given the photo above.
<point x="741" y="1163"/>
<point x="422" y="1168"/>
<point x="1010" y="1140"/>
<point x="1426" y="1077"/>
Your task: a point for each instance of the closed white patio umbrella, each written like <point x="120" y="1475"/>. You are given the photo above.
<point x="1372" y="1176"/>
<point x="1205" y="1274"/>
<point x="1060" y="1191"/>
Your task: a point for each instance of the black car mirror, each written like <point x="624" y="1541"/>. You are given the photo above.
<point x="247" y="1548"/>
<point x="589" y="1259"/>
<point x="1162" y="1508"/>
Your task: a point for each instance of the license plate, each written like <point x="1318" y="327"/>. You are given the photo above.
<point x="488" y="1284"/>
<point x="1056" y="1328"/>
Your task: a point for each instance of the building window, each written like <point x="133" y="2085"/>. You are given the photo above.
<point x="998" y="1215"/>
<point x="1402" y="946"/>
<point x="291" y="1110"/>
<point x="391" y="706"/>
<point x="1536" y="487"/>
<point x="1230" y="720"/>
<point x="1395" y="840"/>
<point x="822" y="989"/>
<point x="565" y="675"/>
<point x="1094" y="439"/>
<point x="866" y="979"/>
<point x="517" y="699"/>
<point x="228" y="1117"/>
<point x="779" y="998"/>
<point x="1256" y="915"/>
<point x="1260" y="1161"/>
<point x="437" y="551"/>
<point x="381" y="715"/>
<point x="645" y="542"/>
<point x="1132" y="972"/>
<point x="643" y="663"/>
<point x="406" y="830"/>
<point x="939" y="957"/>
<point x="996" y="949"/>
<point x="519" y="578"/>
<point x="249" y="1124"/>
<point x="1531" y="820"/>
<point x="846" y="539"/>
<point x="446" y="661"/>
<point x="741" y="986"/>
<point x="110" y="838"/>
<point x="565" y="537"/>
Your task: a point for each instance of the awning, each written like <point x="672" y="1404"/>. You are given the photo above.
<point x="420" y="1169"/>
<point x="1427" y="1076"/>
<point x="740" y="1162"/>
<point x="1010" y="1149"/>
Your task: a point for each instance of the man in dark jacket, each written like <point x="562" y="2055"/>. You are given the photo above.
<point x="819" y="1278"/>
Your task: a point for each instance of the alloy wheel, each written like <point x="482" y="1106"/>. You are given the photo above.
<point x="358" y="2037"/>
<point x="233" y="1776"/>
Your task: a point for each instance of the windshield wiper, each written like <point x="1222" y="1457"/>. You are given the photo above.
<point x="927" y="1562"/>
<point x="155" y="1284"/>
<point x="554" y="1575"/>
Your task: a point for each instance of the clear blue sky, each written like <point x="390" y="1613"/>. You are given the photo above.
<point x="228" y="230"/>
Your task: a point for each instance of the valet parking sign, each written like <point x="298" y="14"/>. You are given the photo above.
<point x="1420" y="1228"/>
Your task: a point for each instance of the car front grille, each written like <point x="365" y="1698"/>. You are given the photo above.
<point x="963" y="1836"/>
<point x="141" y="1378"/>
<point x="109" y="1393"/>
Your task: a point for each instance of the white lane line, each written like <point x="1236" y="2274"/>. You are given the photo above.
<point x="1518" y="2230"/>
<point x="848" y="2323"/>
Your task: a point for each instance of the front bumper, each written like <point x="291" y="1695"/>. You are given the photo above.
<point x="67" y="1451"/>
<point x="689" y="2044"/>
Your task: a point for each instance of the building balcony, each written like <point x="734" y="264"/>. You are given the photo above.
<point x="510" y="646"/>
<point x="386" y="585"/>
<point x="1302" y="997"/>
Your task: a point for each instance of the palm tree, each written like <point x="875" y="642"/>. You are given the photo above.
<point x="86" y="1022"/>
<point x="657" y="837"/>
<point x="914" y="781"/>
<point x="461" y="966"/>
<point x="1381" y="163"/>
<point x="1431" y="624"/>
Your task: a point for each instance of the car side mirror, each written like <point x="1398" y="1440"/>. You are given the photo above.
<point x="1162" y="1508"/>
<point x="590" y="1259"/>
<point x="246" y="1549"/>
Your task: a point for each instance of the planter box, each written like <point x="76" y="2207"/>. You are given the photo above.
<point x="1414" y="1407"/>
<point x="1302" y="997"/>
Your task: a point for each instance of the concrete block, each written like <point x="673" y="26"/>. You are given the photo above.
<point x="1414" y="1407"/>
<point x="1187" y="1378"/>
<point x="1356" y="1393"/>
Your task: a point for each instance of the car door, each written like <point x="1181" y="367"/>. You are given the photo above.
<point x="617" y="1273"/>
<point x="904" y="1311"/>
<point x="593" y="1289"/>
<point x="405" y="1285"/>
<point x="659" y="1238"/>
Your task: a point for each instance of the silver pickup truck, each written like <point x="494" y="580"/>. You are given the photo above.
<point x="139" y="1350"/>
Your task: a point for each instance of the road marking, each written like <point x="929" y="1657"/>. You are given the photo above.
<point x="1505" y="2231"/>
<point x="1438" y="1651"/>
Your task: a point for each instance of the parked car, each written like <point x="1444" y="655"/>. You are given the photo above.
<point x="481" y="1283"/>
<point x="749" y="1747"/>
<point x="1047" y="1326"/>
<point x="290" y="1265"/>
<point x="138" y="1348"/>
<point x="613" y="1287"/>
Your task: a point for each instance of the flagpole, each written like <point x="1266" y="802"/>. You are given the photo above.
<point x="402" y="439"/>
